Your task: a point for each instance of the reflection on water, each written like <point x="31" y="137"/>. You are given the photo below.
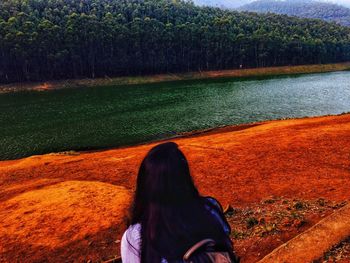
<point x="87" y="118"/>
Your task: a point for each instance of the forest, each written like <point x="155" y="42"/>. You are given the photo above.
<point x="60" y="39"/>
<point x="302" y="8"/>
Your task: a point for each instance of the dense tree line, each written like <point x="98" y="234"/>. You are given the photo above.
<point x="302" y="8"/>
<point x="55" y="39"/>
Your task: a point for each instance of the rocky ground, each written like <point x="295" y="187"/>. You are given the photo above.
<point x="339" y="253"/>
<point x="274" y="221"/>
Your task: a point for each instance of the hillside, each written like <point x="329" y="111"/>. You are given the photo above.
<point x="64" y="39"/>
<point x="302" y="8"/>
<point x="281" y="177"/>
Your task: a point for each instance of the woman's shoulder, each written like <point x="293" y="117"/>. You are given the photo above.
<point x="133" y="234"/>
<point x="131" y="242"/>
<point x="134" y="229"/>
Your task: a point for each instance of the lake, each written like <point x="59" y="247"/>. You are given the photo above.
<point x="99" y="117"/>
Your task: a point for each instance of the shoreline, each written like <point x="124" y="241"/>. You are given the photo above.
<point x="180" y="136"/>
<point x="196" y="133"/>
<point x="159" y="78"/>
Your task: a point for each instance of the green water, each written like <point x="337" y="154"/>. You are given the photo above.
<point x="93" y="118"/>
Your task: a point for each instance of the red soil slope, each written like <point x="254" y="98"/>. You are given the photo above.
<point x="72" y="205"/>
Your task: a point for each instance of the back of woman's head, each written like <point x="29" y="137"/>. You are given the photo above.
<point x="172" y="214"/>
<point x="164" y="177"/>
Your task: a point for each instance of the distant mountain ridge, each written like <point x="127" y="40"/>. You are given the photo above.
<point x="234" y="4"/>
<point x="230" y="4"/>
<point x="302" y="8"/>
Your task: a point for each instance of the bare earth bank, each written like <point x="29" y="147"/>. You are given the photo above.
<point x="281" y="177"/>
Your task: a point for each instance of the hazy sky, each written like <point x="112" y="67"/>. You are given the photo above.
<point x="344" y="2"/>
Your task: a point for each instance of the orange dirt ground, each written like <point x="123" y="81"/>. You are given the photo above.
<point x="72" y="206"/>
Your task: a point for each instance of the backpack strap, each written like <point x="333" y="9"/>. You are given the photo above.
<point x="205" y="242"/>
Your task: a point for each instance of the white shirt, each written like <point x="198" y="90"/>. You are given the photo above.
<point x="130" y="244"/>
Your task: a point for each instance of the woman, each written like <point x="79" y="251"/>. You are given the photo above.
<point x="168" y="214"/>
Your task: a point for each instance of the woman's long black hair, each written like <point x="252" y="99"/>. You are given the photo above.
<point x="172" y="214"/>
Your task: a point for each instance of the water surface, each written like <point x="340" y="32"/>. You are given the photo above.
<point x="99" y="117"/>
